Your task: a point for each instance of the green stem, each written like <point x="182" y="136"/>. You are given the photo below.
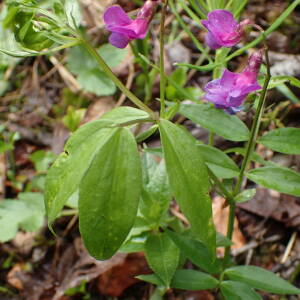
<point x="162" y="59"/>
<point x="249" y="150"/>
<point x="115" y="79"/>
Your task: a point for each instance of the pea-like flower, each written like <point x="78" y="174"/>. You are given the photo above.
<point x="229" y="91"/>
<point x="223" y="29"/>
<point x="125" y="29"/>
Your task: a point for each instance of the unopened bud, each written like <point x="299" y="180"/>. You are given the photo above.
<point x="148" y="9"/>
<point x="255" y="61"/>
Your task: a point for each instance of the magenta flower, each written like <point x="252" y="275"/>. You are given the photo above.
<point x="123" y="28"/>
<point x="229" y="91"/>
<point x="223" y="29"/>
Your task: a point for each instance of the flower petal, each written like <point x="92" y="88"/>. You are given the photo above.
<point x="119" y="40"/>
<point x="211" y="41"/>
<point x="116" y="16"/>
<point x="221" y="21"/>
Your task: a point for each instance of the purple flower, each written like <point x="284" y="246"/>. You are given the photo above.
<point x="123" y="28"/>
<point x="229" y="91"/>
<point x="223" y="29"/>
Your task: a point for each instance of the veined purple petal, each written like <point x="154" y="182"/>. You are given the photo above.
<point x="223" y="29"/>
<point x="211" y="41"/>
<point x="116" y="16"/>
<point x="221" y="21"/>
<point x="228" y="78"/>
<point x="118" y="40"/>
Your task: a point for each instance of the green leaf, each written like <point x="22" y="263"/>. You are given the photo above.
<point x="151" y="278"/>
<point x="218" y="162"/>
<point x="193" y="280"/>
<point x="189" y="180"/>
<point x="109" y="194"/>
<point x="280" y="179"/>
<point x="245" y="195"/>
<point x="156" y="194"/>
<point x="26" y="213"/>
<point x="97" y="82"/>
<point x="196" y="251"/>
<point x="67" y="171"/>
<point x="125" y="114"/>
<point x="285" y="140"/>
<point x="222" y="240"/>
<point x="162" y="256"/>
<point x="233" y="290"/>
<point x="79" y="60"/>
<point x="216" y="120"/>
<point x="261" y="279"/>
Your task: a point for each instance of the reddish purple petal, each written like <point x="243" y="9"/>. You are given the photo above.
<point x="119" y="40"/>
<point x="212" y="42"/>
<point x="116" y="16"/>
<point x="228" y="78"/>
<point x="221" y="21"/>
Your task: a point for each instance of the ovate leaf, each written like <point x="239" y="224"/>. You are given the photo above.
<point x="189" y="180"/>
<point x="218" y="162"/>
<point x="193" y="280"/>
<point x="233" y="290"/>
<point x="245" y="195"/>
<point x="285" y="140"/>
<point x="196" y="251"/>
<point x="228" y="126"/>
<point x="109" y="194"/>
<point x="261" y="279"/>
<point x="97" y="82"/>
<point x="280" y="179"/>
<point x="67" y="171"/>
<point x="162" y="256"/>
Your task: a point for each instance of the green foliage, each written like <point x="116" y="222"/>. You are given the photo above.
<point x="90" y="77"/>
<point x="233" y="290"/>
<point x="216" y="120"/>
<point x="261" y="279"/>
<point x="109" y="197"/>
<point x="26" y="213"/>
<point x="162" y="256"/>
<point x="156" y="193"/>
<point x="218" y="162"/>
<point x="245" y="195"/>
<point x="285" y="140"/>
<point x="186" y="169"/>
<point x="196" y="251"/>
<point x="73" y="118"/>
<point x="280" y="179"/>
<point x="193" y="280"/>
<point x="42" y="159"/>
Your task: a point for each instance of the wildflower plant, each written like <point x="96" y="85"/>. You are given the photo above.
<point x="123" y="192"/>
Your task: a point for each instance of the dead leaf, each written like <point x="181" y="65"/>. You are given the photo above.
<point x="14" y="276"/>
<point x="220" y="215"/>
<point x="119" y="278"/>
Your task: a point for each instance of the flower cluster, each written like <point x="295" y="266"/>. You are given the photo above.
<point x="223" y="29"/>
<point x="227" y="92"/>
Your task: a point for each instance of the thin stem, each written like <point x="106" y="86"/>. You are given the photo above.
<point x="211" y="138"/>
<point x="115" y="79"/>
<point x="249" y="150"/>
<point x="189" y="33"/>
<point x="162" y="59"/>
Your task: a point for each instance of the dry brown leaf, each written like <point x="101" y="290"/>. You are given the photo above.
<point x="98" y="108"/>
<point x="119" y="278"/>
<point x="220" y="215"/>
<point x="14" y="276"/>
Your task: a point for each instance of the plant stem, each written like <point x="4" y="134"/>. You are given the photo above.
<point x="249" y="150"/>
<point x="162" y="59"/>
<point x="115" y="79"/>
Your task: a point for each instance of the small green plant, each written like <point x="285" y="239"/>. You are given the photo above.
<point x="124" y="193"/>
